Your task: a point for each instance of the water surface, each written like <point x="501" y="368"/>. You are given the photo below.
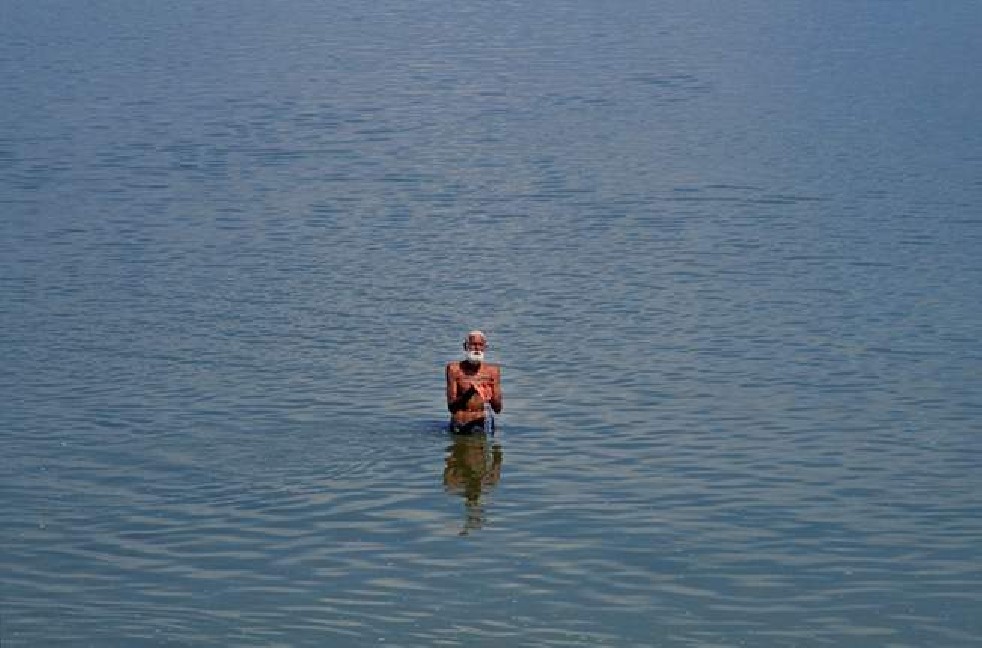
<point x="728" y="258"/>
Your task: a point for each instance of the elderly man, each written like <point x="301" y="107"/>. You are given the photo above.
<point x="473" y="386"/>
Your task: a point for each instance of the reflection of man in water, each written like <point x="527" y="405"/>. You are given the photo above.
<point x="473" y="467"/>
<point x="471" y="383"/>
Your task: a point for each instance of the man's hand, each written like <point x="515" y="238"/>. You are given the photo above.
<point x="483" y="390"/>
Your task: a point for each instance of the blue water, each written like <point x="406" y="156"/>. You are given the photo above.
<point x="727" y="254"/>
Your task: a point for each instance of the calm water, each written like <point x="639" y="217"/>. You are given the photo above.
<point x="728" y="255"/>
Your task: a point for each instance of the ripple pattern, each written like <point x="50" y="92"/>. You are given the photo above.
<point x="727" y="258"/>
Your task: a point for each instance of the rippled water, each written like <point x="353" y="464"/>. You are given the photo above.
<point x="728" y="257"/>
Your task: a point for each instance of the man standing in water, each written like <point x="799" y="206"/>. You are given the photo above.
<point x="471" y="385"/>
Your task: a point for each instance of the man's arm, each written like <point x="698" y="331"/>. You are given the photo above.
<point x="451" y="388"/>
<point x="456" y="401"/>
<point x="496" y="396"/>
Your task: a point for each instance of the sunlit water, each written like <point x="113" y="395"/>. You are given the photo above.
<point x="728" y="255"/>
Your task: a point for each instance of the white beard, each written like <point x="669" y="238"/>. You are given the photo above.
<point x="474" y="356"/>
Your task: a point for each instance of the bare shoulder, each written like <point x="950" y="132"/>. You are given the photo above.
<point x="494" y="370"/>
<point x="453" y="368"/>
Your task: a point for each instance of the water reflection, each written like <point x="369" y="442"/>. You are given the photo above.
<point x="473" y="468"/>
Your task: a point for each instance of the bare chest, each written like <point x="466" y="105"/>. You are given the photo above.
<point x="481" y="377"/>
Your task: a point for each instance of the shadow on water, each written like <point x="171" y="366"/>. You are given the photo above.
<point x="472" y="469"/>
